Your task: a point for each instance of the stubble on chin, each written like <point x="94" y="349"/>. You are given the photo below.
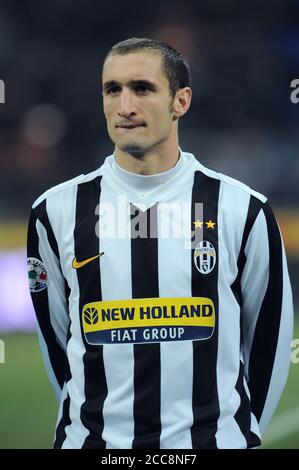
<point x="135" y="152"/>
<point x="133" y="148"/>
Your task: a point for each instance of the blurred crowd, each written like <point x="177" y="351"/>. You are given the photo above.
<point x="243" y="56"/>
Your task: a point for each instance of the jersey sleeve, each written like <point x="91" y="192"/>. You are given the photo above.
<point x="267" y="316"/>
<point x="49" y="293"/>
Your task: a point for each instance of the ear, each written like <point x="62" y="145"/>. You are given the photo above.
<point x="182" y="102"/>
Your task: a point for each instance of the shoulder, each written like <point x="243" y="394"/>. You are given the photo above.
<point x="67" y="186"/>
<point x="230" y="184"/>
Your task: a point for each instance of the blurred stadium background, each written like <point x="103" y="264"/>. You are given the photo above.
<point x="243" y="56"/>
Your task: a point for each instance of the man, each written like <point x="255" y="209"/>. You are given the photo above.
<point x="160" y="287"/>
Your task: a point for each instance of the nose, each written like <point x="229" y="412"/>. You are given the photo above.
<point x="126" y="105"/>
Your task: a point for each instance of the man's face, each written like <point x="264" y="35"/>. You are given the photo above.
<point x="137" y="101"/>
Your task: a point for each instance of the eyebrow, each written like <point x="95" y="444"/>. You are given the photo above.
<point x="133" y="83"/>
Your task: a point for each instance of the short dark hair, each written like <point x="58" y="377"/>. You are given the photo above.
<point x="174" y="66"/>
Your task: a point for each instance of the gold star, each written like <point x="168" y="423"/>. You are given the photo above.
<point x="210" y="224"/>
<point x="198" y="224"/>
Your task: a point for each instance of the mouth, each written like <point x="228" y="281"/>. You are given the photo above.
<point x="131" y="126"/>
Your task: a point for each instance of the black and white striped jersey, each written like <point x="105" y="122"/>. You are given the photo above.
<point x="164" y="308"/>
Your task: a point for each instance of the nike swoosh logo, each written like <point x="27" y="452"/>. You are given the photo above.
<point x="78" y="264"/>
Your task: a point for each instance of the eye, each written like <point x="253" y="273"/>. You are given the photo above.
<point x="113" y="90"/>
<point x="141" y="88"/>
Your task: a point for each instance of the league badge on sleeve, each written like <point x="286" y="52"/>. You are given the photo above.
<point x="37" y="275"/>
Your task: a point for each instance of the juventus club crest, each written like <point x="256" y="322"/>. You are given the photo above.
<point x="205" y="257"/>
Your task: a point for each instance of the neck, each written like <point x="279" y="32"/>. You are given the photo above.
<point x="153" y="161"/>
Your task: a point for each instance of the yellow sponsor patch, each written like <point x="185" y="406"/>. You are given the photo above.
<point x="148" y="320"/>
